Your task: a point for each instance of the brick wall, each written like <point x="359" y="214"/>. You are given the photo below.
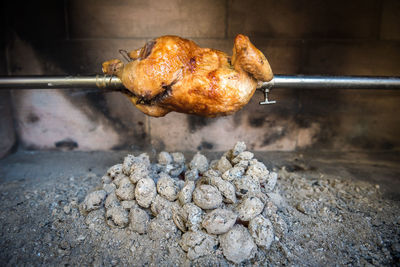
<point x="360" y="37"/>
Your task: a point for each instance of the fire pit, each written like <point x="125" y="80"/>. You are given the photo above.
<point x="318" y="208"/>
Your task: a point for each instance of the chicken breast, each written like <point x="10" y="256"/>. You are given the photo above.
<point x="175" y="74"/>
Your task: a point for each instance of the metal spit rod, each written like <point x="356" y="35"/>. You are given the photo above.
<point x="279" y="81"/>
<point x="333" y="82"/>
<point x="113" y="83"/>
<point x="328" y="82"/>
<point x="60" y="82"/>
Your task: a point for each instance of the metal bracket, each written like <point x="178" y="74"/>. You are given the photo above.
<point x="266" y="87"/>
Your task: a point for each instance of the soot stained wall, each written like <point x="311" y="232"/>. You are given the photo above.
<point x="358" y="37"/>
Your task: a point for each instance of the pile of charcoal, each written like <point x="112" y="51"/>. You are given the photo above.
<point x="223" y="205"/>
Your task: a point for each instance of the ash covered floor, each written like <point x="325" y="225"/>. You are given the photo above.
<point x="337" y="208"/>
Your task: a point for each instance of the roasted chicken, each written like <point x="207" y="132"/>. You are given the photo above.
<point x="175" y="74"/>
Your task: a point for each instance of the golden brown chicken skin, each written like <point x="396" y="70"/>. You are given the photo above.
<point x="175" y="74"/>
